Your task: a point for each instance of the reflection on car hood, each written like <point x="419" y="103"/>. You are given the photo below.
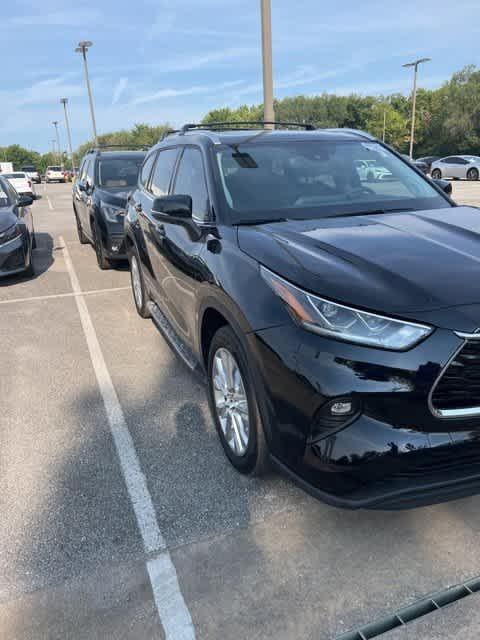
<point x="115" y="196"/>
<point x="396" y="263"/>
<point x="7" y="218"/>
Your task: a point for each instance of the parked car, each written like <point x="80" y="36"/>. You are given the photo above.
<point x="21" y="183"/>
<point x="324" y="311"/>
<point x="32" y="173"/>
<point x="459" y="167"/>
<point x="417" y="163"/>
<point x="100" y="195"/>
<point x="428" y="160"/>
<point x="17" y="237"/>
<point x="54" y="174"/>
<point x="370" y="170"/>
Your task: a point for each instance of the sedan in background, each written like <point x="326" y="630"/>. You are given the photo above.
<point x="17" y="237"/>
<point x="21" y="183"/>
<point x="54" y="174"/>
<point x="457" y="167"/>
<point x="32" y="173"/>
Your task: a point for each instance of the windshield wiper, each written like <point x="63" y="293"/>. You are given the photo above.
<point x="242" y="223"/>
<point x="370" y="212"/>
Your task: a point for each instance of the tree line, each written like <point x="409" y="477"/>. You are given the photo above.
<point x="447" y="121"/>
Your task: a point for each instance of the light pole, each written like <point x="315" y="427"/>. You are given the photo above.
<point x="54" y="153"/>
<point x="82" y="48"/>
<point x="268" y="112"/>
<point x="55" y="124"/>
<point x="384" y="122"/>
<point x="64" y="101"/>
<point x="414" y="64"/>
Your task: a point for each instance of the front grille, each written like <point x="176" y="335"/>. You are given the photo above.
<point x="459" y="385"/>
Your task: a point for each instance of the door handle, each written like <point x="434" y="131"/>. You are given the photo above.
<point x="160" y="231"/>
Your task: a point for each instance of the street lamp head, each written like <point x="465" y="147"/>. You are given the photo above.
<point x="415" y="63"/>
<point x="55" y="122"/>
<point x="64" y="100"/>
<point x="84" y="44"/>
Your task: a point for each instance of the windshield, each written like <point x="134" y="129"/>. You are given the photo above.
<point x="4" y="199"/>
<point x="11" y="176"/>
<point x="472" y="158"/>
<point x="315" y="179"/>
<point x="119" y="172"/>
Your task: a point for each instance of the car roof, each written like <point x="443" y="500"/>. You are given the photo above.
<point x="119" y="154"/>
<point x="255" y="136"/>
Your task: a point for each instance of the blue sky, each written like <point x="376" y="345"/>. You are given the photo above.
<point x="173" y="60"/>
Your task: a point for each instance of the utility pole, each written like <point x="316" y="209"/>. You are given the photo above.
<point x="384" y="122"/>
<point x="82" y="48"/>
<point x="64" y="101"/>
<point x="55" y="124"/>
<point x="268" y="113"/>
<point x="414" y="64"/>
<point x="54" y="153"/>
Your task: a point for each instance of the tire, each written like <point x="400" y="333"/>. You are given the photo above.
<point x="139" y="291"/>
<point x="30" y="271"/>
<point x="436" y="174"/>
<point x="81" y="236"/>
<point x="247" y="450"/>
<point x="102" y="260"/>
<point x="472" y="174"/>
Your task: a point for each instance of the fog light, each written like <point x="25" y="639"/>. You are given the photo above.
<point x="116" y="244"/>
<point x="343" y="408"/>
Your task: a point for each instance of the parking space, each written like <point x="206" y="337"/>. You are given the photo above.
<point x="254" y="559"/>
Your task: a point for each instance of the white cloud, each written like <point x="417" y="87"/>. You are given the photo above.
<point x="70" y="18"/>
<point x="119" y="89"/>
<point x="187" y="91"/>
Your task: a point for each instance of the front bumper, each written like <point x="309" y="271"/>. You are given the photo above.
<point x="393" y="453"/>
<point x="114" y="244"/>
<point x="13" y="257"/>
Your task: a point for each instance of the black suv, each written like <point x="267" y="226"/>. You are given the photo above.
<point x="100" y="194"/>
<point x="334" y="318"/>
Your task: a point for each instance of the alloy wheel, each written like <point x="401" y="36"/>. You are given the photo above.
<point x="231" y="403"/>
<point x="136" y="282"/>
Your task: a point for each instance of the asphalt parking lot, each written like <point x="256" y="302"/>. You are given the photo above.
<point x="235" y="558"/>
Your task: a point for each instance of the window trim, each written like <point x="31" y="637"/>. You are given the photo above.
<point x="174" y="169"/>
<point x="209" y="218"/>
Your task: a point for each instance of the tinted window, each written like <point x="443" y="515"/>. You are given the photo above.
<point x="54" y="168"/>
<point x="146" y="169"/>
<point x="190" y="181"/>
<point x="7" y="194"/>
<point x="89" y="170"/>
<point x="318" y="178"/>
<point x="449" y="160"/>
<point x="118" y="172"/>
<point x="163" y="172"/>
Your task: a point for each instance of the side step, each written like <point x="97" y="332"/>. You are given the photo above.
<point x="175" y="342"/>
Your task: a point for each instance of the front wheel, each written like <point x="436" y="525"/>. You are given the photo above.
<point x="436" y="174"/>
<point x="234" y="406"/>
<point x="81" y="236"/>
<point x="472" y="174"/>
<point x="102" y="260"/>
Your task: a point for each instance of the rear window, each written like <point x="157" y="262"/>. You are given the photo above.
<point x="30" y="169"/>
<point x="9" y="176"/>
<point x="119" y="172"/>
<point x="54" y="169"/>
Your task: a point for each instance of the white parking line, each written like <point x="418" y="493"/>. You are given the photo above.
<point x="172" y="610"/>
<point x="70" y="294"/>
<point x="50" y="205"/>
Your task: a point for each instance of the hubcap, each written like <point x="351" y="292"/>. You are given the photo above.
<point x="231" y="401"/>
<point x="136" y="282"/>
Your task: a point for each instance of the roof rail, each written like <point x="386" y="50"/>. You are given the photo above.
<point x="168" y="132"/>
<point x="125" y="147"/>
<point x="212" y="126"/>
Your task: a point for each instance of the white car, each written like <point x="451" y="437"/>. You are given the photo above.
<point x="54" y="174"/>
<point x="370" y="171"/>
<point x="460" y="167"/>
<point x="20" y="182"/>
<point x="32" y="173"/>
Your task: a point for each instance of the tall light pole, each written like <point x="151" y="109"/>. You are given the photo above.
<point x="55" y="124"/>
<point x="54" y="153"/>
<point x="268" y="112"/>
<point x="82" y="48"/>
<point x="414" y="64"/>
<point x="64" y="101"/>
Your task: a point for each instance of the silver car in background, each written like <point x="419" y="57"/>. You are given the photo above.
<point x="460" y="167"/>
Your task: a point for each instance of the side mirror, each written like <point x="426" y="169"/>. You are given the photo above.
<point x="24" y="201"/>
<point x="444" y="185"/>
<point x="175" y="206"/>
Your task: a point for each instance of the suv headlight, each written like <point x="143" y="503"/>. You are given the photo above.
<point x="344" y="323"/>
<point x="10" y="234"/>
<point x="112" y="213"/>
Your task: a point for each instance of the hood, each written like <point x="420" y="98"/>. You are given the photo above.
<point x="116" y="196"/>
<point x="406" y="264"/>
<point x="7" y="219"/>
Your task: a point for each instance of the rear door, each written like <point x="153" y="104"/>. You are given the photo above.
<point x="159" y="185"/>
<point x="181" y="245"/>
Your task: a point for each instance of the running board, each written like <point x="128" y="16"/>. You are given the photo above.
<point x="175" y="342"/>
